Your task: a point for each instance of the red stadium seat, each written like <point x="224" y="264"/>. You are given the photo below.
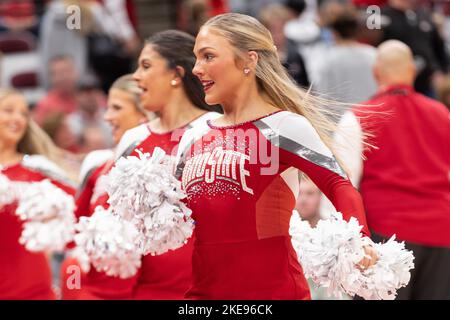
<point x="12" y="42"/>
<point x="25" y="80"/>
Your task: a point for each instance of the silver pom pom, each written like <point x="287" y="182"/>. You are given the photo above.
<point x="51" y="235"/>
<point x="7" y="194"/>
<point x="144" y="191"/>
<point x="49" y="217"/>
<point x="329" y="254"/>
<point x="110" y="242"/>
<point x="81" y="256"/>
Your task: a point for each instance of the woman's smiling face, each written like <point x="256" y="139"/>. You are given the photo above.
<point x="122" y="113"/>
<point x="154" y="78"/>
<point x="217" y="66"/>
<point x="14" y="117"/>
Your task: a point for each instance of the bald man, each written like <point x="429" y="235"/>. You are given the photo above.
<point x="405" y="177"/>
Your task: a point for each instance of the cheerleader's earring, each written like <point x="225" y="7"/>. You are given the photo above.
<point x="173" y="82"/>
<point x="246" y="70"/>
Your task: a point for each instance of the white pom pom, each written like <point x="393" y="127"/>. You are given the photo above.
<point x="51" y="235"/>
<point x="42" y="200"/>
<point x="7" y="194"/>
<point x="49" y="218"/>
<point x="389" y="273"/>
<point x="329" y="254"/>
<point x="110" y="242"/>
<point x="143" y="190"/>
<point x="5" y="191"/>
<point x="81" y="256"/>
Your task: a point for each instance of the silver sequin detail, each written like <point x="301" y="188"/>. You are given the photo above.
<point x="287" y="144"/>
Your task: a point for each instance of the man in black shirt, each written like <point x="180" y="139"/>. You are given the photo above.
<point x="413" y="26"/>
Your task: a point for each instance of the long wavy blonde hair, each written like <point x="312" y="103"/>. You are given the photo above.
<point x="246" y="34"/>
<point x="36" y="141"/>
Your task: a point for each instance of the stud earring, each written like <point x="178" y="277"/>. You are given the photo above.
<point x="173" y="82"/>
<point x="246" y="70"/>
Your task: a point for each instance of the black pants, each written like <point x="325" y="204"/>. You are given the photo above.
<point x="430" y="278"/>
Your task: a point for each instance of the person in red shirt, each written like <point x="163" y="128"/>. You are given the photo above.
<point x="405" y="177"/>
<point x="217" y="7"/>
<point x="62" y="97"/>
<point x="24" y="153"/>
<point x="240" y="171"/>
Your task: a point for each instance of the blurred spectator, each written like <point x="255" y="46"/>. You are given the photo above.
<point x="18" y="16"/>
<point x="250" y="7"/>
<point x="444" y="11"/>
<point x="274" y="17"/>
<point x="192" y="14"/>
<point x="308" y="204"/>
<point x="346" y="71"/>
<point x="93" y="138"/>
<point x="89" y="114"/>
<point x="58" y="129"/>
<point x="57" y="39"/>
<point x="308" y="201"/>
<point x="102" y="34"/>
<point x="308" y="8"/>
<point x="405" y="181"/>
<point x="113" y="43"/>
<point x="218" y="7"/>
<point x="366" y="3"/>
<point x="118" y="17"/>
<point x="443" y="92"/>
<point x="310" y="35"/>
<point x="414" y="26"/>
<point x="62" y="95"/>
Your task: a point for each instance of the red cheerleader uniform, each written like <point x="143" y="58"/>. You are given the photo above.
<point x="93" y="167"/>
<point x="166" y="276"/>
<point x="25" y="275"/>
<point x="162" y="277"/>
<point x="242" y="181"/>
<point x="94" y="285"/>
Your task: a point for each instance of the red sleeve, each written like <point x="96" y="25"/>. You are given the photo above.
<point x="86" y="191"/>
<point x="83" y="198"/>
<point x="345" y="198"/>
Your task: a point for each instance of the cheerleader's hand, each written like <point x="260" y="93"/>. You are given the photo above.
<point x="370" y="258"/>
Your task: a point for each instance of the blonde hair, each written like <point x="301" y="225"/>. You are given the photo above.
<point x="246" y="34"/>
<point x="126" y="83"/>
<point x="36" y="141"/>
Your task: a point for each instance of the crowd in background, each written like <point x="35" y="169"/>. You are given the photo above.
<point x="328" y="46"/>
